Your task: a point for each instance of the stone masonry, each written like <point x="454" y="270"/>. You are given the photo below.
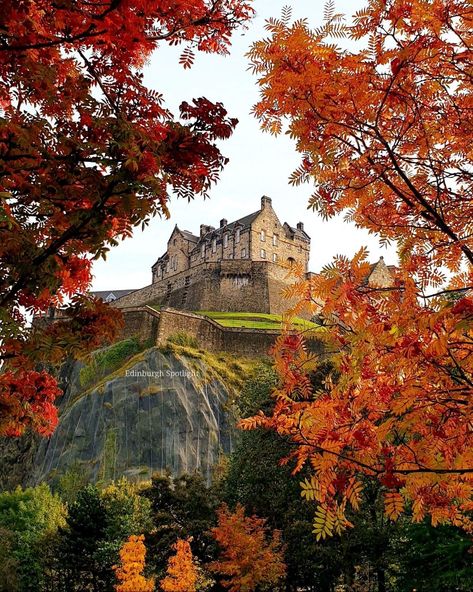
<point x="242" y="266"/>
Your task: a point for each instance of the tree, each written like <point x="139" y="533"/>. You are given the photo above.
<point x="182" y="508"/>
<point x="78" y="559"/>
<point x="87" y="153"/>
<point x="384" y="136"/>
<point x="28" y="518"/>
<point x="182" y="574"/>
<point x="434" y="559"/>
<point x="9" y="581"/>
<point x="258" y="480"/>
<point x="98" y="523"/>
<point x="130" y="572"/>
<point x="248" y="558"/>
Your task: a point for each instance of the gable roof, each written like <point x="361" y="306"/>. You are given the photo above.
<point x="186" y="234"/>
<point x="297" y="231"/>
<point x="246" y="221"/>
<point x="380" y="264"/>
<point x="216" y="233"/>
<point x="189" y="236"/>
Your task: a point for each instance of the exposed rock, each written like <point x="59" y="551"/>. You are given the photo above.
<point x="160" y="411"/>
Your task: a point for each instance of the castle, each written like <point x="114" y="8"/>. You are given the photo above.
<point x="241" y="266"/>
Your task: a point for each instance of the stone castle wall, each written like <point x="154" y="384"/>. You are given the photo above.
<point x="213" y="337"/>
<point x="147" y="324"/>
<point x="140" y="322"/>
<point x="230" y="286"/>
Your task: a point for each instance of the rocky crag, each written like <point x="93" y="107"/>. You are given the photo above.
<point x="131" y="410"/>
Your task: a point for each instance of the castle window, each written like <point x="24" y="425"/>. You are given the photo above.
<point x="225" y="241"/>
<point x="202" y="250"/>
<point x="237" y="235"/>
<point x="243" y="253"/>
<point x="275" y="257"/>
<point x="214" y="245"/>
<point x="263" y="236"/>
<point x="275" y="240"/>
<point x="240" y="280"/>
<point x="263" y="254"/>
<point x="167" y="266"/>
<point x="175" y="262"/>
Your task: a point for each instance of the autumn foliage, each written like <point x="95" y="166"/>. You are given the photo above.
<point x="87" y="153"/>
<point x="385" y="136"/>
<point x="182" y="573"/>
<point x="250" y="558"/>
<point x="130" y="572"/>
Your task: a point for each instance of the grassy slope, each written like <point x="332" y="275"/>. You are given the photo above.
<point x="253" y="320"/>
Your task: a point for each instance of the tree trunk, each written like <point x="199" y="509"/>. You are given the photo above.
<point x="381" y="579"/>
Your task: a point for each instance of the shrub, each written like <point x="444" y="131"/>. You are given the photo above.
<point x="107" y="360"/>
<point x="184" y="339"/>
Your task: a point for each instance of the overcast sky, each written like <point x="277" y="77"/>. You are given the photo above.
<point x="260" y="164"/>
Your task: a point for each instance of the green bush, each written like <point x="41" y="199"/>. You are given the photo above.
<point x="184" y="339"/>
<point x="109" y="359"/>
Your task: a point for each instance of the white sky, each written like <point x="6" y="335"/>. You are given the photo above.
<point x="260" y="164"/>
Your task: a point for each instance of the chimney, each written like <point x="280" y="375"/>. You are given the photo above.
<point x="265" y="202"/>
<point x="223" y="222"/>
<point x="300" y="226"/>
<point x="204" y="229"/>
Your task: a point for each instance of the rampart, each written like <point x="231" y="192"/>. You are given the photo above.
<point x="156" y="327"/>
<point x="229" y="286"/>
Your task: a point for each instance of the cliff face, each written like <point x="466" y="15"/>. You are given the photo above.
<point x="160" y="410"/>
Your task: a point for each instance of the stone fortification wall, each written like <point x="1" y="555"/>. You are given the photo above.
<point x="229" y="286"/>
<point x="140" y="322"/>
<point x="148" y="324"/>
<point x="212" y="336"/>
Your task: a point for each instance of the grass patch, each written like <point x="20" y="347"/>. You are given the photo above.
<point x="109" y="456"/>
<point x="101" y="382"/>
<point x="184" y="339"/>
<point x="104" y="361"/>
<point x="254" y="320"/>
<point x="232" y="371"/>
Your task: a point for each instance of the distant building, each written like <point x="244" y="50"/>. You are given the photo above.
<point x="381" y="275"/>
<point x="110" y="295"/>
